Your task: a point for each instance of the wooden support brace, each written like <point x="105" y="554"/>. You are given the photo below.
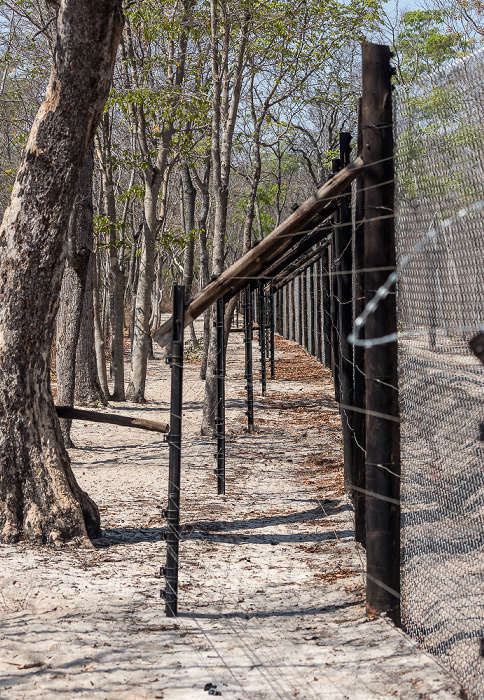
<point x="274" y="242"/>
<point x="113" y="419"/>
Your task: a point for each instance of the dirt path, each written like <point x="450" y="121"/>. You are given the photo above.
<point x="271" y="594"/>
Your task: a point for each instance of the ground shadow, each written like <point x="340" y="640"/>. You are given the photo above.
<point x="223" y="531"/>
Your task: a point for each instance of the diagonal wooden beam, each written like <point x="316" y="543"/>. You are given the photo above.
<point x="297" y="244"/>
<point x="270" y="246"/>
<point x="299" y="266"/>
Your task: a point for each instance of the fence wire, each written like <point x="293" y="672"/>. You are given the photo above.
<point x="440" y="156"/>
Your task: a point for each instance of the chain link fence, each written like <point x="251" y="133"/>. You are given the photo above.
<point x="440" y="175"/>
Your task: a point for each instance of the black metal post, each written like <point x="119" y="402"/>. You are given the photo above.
<point x="267" y="316"/>
<point x="335" y="263"/>
<point x="272" y="321"/>
<point x="248" y="357"/>
<point x="172" y="513"/>
<point x="326" y="293"/>
<point x="319" y="309"/>
<point x="382" y="420"/>
<point x="220" y="420"/>
<point x="262" y="339"/>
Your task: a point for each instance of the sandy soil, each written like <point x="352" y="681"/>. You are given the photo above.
<point x="271" y="584"/>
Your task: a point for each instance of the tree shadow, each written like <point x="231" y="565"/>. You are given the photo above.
<point x="234" y="532"/>
<point x="296" y="612"/>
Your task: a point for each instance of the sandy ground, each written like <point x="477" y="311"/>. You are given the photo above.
<point x="271" y="584"/>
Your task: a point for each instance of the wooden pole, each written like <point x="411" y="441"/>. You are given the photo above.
<point x="345" y="315"/>
<point x="382" y="420"/>
<point x="275" y="242"/>
<point x="112" y="419"/>
<point x="359" y="392"/>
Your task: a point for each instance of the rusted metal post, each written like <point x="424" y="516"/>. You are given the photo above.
<point x="382" y="420"/>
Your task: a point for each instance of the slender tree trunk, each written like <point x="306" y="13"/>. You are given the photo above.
<point x="88" y="389"/>
<point x="224" y="111"/>
<point x="99" y="345"/>
<point x="116" y="275"/>
<point x="142" y="314"/>
<point x="203" y="187"/>
<point x="40" y="500"/>
<point x="188" y="203"/>
<point x="72" y="295"/>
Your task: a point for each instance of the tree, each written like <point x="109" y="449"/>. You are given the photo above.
<point x="422" y="43"/>
<point x="40" y="498"/>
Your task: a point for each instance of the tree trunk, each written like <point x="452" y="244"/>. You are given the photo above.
<point x="88" y="391"/>
<point x="224" y="111"/>
<point x="99" y="346"/>
<point x="141" y="335"/>
<point x="72" y="298"/>
<point x="40" y="500"/>
<point x="88" y="388"/>
<point x="204" y="262"/>
<point x="116" y="275"/>
<point x="188" y="205"/>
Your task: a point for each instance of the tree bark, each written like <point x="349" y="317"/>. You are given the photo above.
<point x="116" y="274"/>
<point x="99" y="346"/>
<point x="224" y="111"/>
<point x="40" y="500"/>
<point x="87" y="387"/>
<point x="71" y="301"/>
<point x="202" y="186"/>
<point x="189" y="198"/>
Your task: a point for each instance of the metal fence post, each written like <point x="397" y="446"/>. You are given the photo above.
<point x="272" y="321"/>
<point x="248" y="357"/>
<point x="326" y="304"/>
<point x="335" y="262"/>
<point x="382" y="420"/>
<point x="220" y="420"/>
<point x="172" y="513"/>
<point x="262" y="338"/>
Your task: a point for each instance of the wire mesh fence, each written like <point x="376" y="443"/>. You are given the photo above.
<point x="440" y="156"/>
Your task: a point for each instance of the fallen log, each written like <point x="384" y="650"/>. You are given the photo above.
<point x="112" y="418"/>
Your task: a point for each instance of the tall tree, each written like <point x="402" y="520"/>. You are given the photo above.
<point x="39" y="496"/>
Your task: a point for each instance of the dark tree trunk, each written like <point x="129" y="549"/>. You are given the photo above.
<point x="40" y="500"/>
